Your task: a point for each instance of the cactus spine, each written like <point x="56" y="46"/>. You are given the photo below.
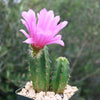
<point x="42" y="78"/>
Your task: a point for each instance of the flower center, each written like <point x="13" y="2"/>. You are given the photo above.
<point x="36" y="50"/>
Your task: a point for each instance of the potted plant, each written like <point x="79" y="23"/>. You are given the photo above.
<point x="48" y="81"/>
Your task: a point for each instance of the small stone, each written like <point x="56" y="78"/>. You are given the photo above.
<point x="24" y="94"/>
<point x="31" y="95"/>
<point x="38" y="95"/>
<point x="65" y="98"/>
<point x="74" y="89"/>
<point x="71" y="93"/>
<point x="27" y="86"/>
<point x="20" y="93"/>
<point x="38" y="98"/>
<point x="58" y="97"/>
<point x="24" y="90"/>
<point x="47" y="98"/>
<point x="50" y="93"/>
<point x="28" y="83"/>
<point x="53" y="98"/>
<point x="31" y="91"/>
<point x="67" y="90"/>
<point x="68" y="86"/>
<point x="68" y="95"/>
<point x="42" y="93"/>
<point x="31" y="84"/>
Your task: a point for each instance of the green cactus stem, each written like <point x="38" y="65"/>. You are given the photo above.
<point x="40" y="70"/>
<point x="60" y="75"/>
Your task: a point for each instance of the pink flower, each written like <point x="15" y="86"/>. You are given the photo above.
<point x="45" y="30"/>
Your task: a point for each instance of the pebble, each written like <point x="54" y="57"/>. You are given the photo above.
<point x="58" y="97"/>
<point x="24" y="90"/>
<point x="38" y="98"/>
<point x="31" y="91"/>
<point x="50" y="93"/>
<point x="27" y="87"/>
<point x="42" y="93"/>
<point x="28" y="91"/>
<point x="47" y="98"/>
<point x="65" y="98"/>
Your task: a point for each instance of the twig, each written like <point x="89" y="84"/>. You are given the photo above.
<point x="87" y="76"/>
<point x="77" y="57"/>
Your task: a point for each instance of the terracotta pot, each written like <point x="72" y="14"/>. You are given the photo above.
<point x="20" y="97"/>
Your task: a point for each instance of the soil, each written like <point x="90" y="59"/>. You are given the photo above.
<point x="28" y="91"/>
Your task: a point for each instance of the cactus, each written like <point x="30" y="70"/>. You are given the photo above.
<point x="43" y="31"/>
<point x="40" y="70"/>
<point x="60" y="75"/>
<point x="42" y="78"/>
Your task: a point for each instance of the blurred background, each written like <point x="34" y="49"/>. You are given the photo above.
<point x="81" y="37"/>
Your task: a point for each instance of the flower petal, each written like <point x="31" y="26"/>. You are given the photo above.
<point x="60" y="26"/>
<point x="63" y="24"/>
<point x="32" y="15"/>
<point x="29" y="16"/>
<point x="59" y="42"/>
<point x="24" y="33"/>
<point x="41" y="18"/>
<point x="57" y="37"/>
<point x="29" y="41"/>
<point x="25" y="23"/>
<point x="54" y="23"/>
<point x="30" y="21"/>
<point x="56" y="40"/>
<point x="48" y="18"/>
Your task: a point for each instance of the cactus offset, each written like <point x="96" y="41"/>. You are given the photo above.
<point x="60" y="75"/>
<point x="40" y="70"/>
